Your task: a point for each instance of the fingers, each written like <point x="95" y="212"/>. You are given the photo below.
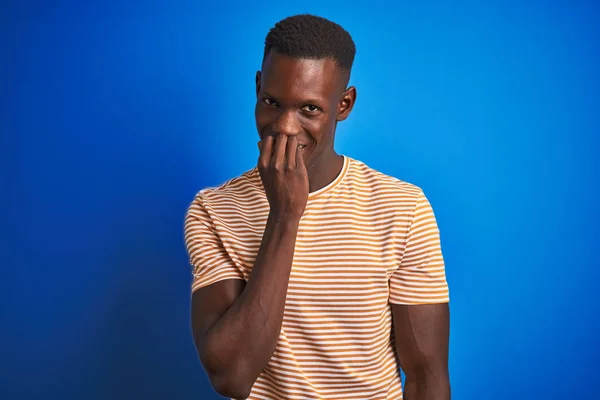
<point x="266" y="149"/>
<point x="278" y="159"/>
<point x="291" y="150"/>
<point x="300" y="159"/>
<point x="280" y="152"/>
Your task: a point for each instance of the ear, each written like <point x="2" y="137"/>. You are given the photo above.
<point x="257" y="82"/>
<point x="346" y="103"/>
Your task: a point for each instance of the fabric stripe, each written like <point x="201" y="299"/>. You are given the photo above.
<point x="365" y="241"/>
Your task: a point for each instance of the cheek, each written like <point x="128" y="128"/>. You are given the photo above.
<point x="265" y="115"/>
<point x="318" y="127"/>
<point x="323" y="132"/>
<point x="261" y="117"/>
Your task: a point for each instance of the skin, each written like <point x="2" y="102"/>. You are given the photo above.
<point x="306" y="99"/>
<point x="236" y="324"/>
<point x="422" y="333"/>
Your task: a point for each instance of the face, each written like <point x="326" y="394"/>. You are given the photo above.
<point x="305" y="98"/>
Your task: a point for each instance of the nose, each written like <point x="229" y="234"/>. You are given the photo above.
<point x="287" y="123"/>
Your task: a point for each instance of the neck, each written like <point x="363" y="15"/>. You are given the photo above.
<point x="324" y="171"/>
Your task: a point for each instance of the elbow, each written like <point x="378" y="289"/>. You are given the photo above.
<point x="434" y="378"/>
<point x="229" y="387"/>
<point x="428" y="377"/>
<point x="229" y="376"/>
<point x="430" y="372"/>
<point x="228" y="381"/>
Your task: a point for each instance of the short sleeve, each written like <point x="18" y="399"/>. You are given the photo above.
<point x="421" y="277"/>
<point x="208" y="258"/>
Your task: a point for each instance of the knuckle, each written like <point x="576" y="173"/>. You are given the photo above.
<point x="278" y="167"/>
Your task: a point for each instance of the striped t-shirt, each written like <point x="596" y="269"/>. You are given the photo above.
<point x="365" y="241"/>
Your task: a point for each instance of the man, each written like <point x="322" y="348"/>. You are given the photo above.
<point x="315" y="276"/>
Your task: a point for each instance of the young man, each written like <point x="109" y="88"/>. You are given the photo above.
<point x="315" y="276"/>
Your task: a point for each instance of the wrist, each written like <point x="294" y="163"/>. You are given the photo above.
<point x="284" y="219"/>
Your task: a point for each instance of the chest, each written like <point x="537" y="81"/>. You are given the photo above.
<point x="341" y="259"/>
<point x="339" y="266"/>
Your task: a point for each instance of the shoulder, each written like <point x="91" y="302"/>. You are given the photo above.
<point x="380" y="184"/>
<point x="236" y="190"/>
<point x="238" y="187"/>
<point x="399" y="200"/>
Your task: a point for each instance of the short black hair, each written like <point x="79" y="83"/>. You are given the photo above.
<point x="311" y="37"/>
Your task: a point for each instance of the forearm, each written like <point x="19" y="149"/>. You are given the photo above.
<point x="241" y="343"/>
<point x="427" y="387"/>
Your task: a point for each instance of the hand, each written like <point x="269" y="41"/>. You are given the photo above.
<point x="284" y="176"/>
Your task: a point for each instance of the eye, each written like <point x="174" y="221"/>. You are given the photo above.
<point x="311" y="108"/>
<point x="270" y="102"/>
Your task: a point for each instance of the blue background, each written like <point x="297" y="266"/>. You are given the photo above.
<point x="114" y="114"/>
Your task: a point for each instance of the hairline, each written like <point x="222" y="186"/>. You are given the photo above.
<point x="345" y="72"/>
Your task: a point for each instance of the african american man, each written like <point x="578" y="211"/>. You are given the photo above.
<point x="314" y="275"/>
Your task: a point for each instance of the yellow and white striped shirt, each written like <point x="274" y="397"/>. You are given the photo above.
<point x="365" y="241"/>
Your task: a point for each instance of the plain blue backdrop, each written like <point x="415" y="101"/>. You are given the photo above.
<point x="114" y="114"/>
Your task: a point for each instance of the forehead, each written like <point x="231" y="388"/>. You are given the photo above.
<point x="300" y="77"/>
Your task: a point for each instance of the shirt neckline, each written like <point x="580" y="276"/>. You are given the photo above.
<point x="333" y="183"/>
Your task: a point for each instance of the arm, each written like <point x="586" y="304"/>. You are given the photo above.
<point x="422" y="333"/>
<point x="419" y="298"/>
<point x="236" y="325"/>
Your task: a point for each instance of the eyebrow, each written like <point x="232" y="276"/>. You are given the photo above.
<point x="305" y="101"/>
